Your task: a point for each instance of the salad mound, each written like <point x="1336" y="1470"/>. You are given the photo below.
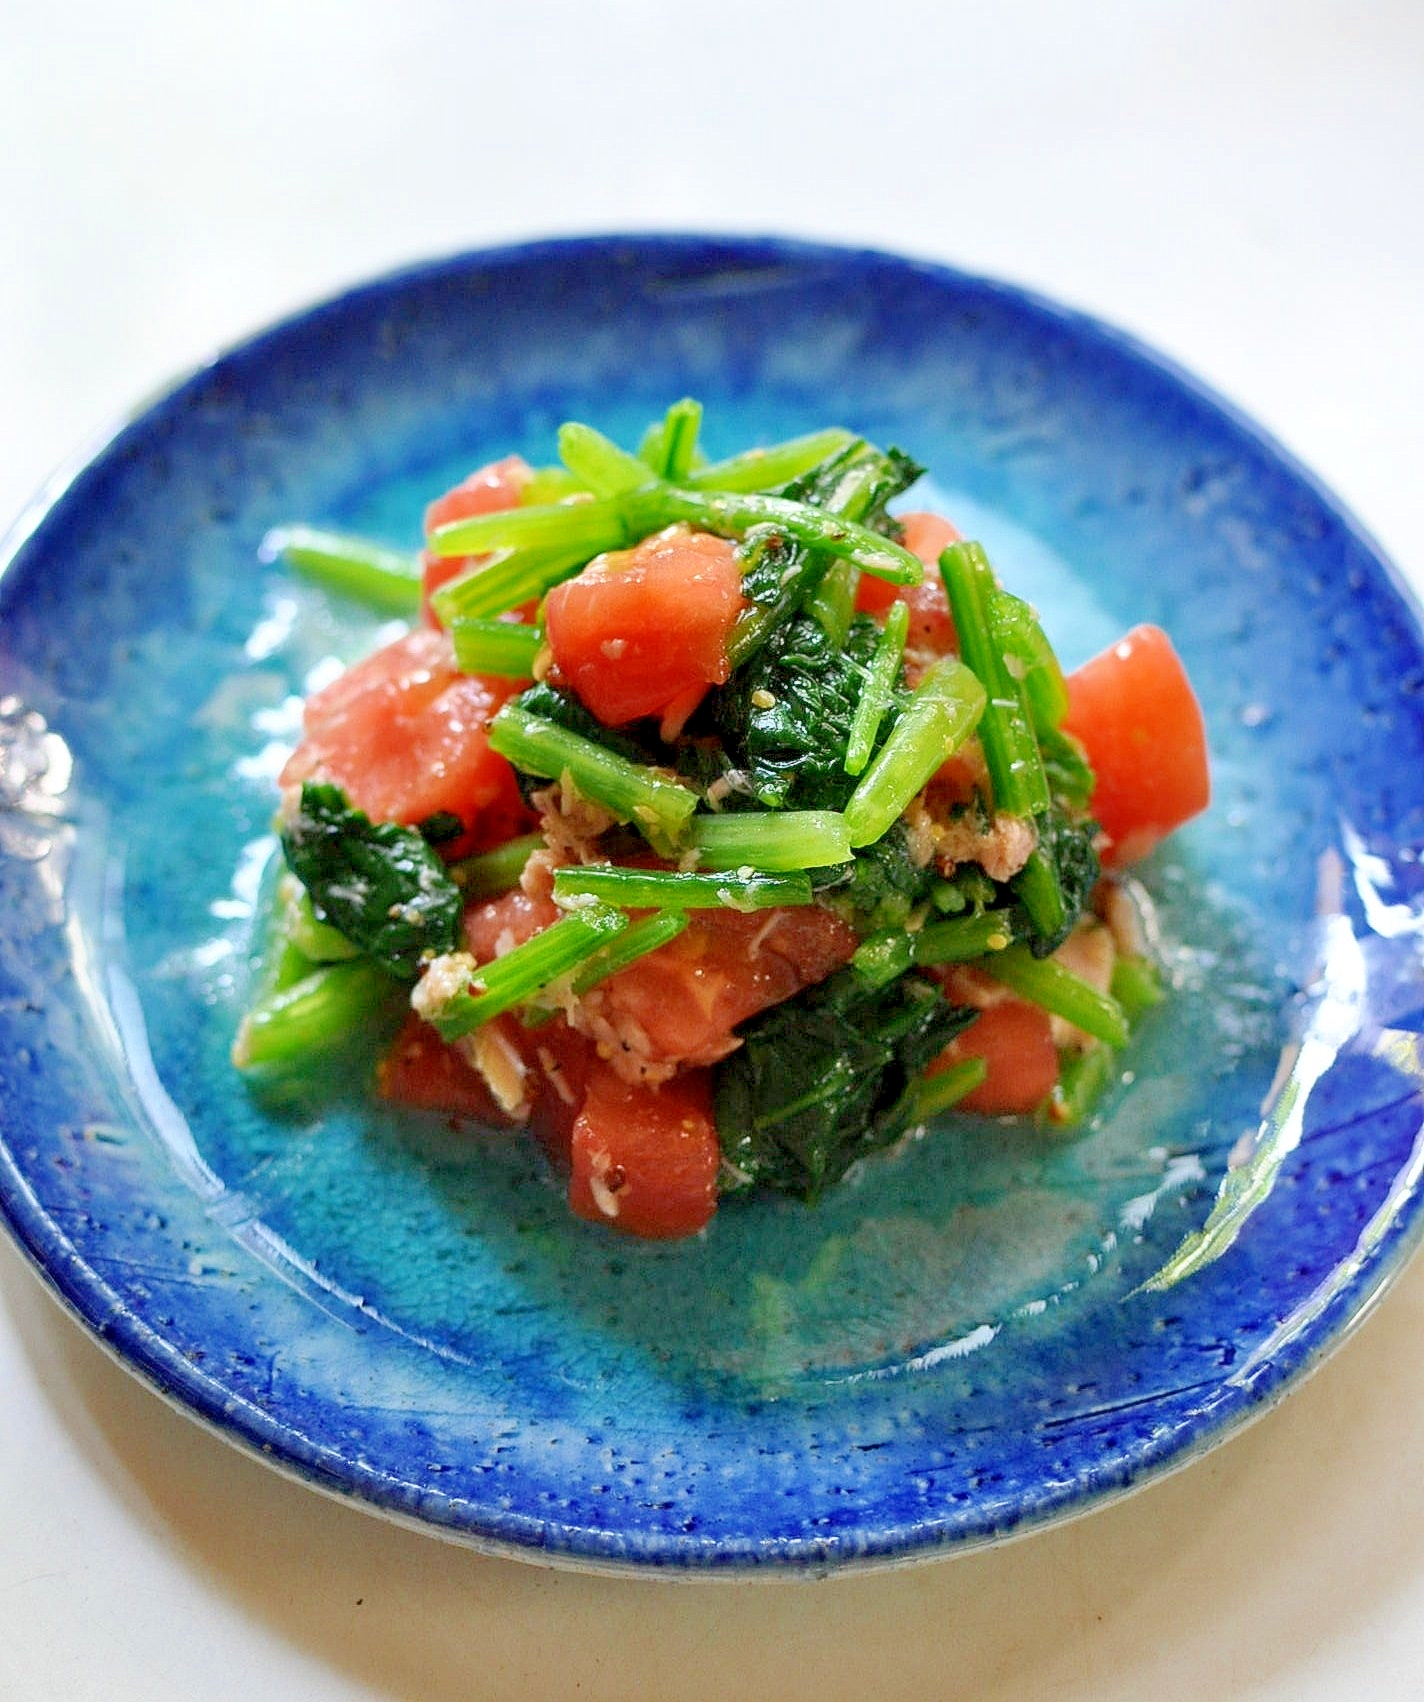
<point x="717" y="823"/>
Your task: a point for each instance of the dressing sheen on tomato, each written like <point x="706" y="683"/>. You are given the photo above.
<point x="488" y="490"/>
<point x="644" y="631"/>
<point x="645" y="1161"/>
<point x="1138" y="718"/>
<point x="403" y="734"/>
<point x="931" y="625"/>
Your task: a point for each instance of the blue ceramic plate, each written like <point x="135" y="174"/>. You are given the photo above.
<point x="984" y="1331"/>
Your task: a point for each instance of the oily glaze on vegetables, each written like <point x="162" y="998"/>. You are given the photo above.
<point x="722" y="826"/>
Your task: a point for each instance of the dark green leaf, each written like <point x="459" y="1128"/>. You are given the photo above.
<point x="784" y="718"/>
<point x="780" y="576"/>
<point x="1066" y="848"/>
<point x="441" y="828"/>
<point x="881" y="886"/>
<point x="379" y="883"/>
<point x="565" y="710"/>
<point x="858" y="482"/>
<point x="824" y="1079"/>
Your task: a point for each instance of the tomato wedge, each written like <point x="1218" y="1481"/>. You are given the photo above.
<point x="1015" y="1040"/>
<point x="487" y="490"/>
<point x="642" y="1160"/>
<point x="1138" y="718"/>
<point x="683" y="1000"/>
<point x="645" y="1160"/>
<point x="500" y="924"/>
<point x="560" y="1062"/>
<point x="421" y="1071"/>
<point x="931" y="625"/>
<point x="644" y="631"/>
<point x="403" y="734"/>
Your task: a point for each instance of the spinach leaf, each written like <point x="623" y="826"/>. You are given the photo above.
<point x="1066" y="846"/>
<point x="823" y="1079"/>
<point x="565" y="710"/>
<point x="858" y="482"/>
<point x="440" y="828"/>
<point x="780" y="576"/>
<point x="379" y="884"/>
<point x="701" y="761"/>
<point x="881" y="886"/>
<point x="784" y="718"/>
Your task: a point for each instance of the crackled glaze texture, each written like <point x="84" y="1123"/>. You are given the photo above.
<point x="959" y="1344"/>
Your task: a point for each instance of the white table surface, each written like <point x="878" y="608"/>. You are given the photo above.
<point x="1240" y="182"/>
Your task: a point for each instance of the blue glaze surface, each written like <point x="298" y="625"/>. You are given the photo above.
<point x="958" y="1344"/>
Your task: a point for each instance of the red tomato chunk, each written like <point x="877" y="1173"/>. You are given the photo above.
<point x="500" y="924"/>
<point x="931" y="626"/>
<point x="1015" y="1040"/>
<point x="640" y="1159"/>
<point x="489" y="490"/>
<point x="421" y="1071"/>
<point x="645" y="1160"/>
<point x="644" y="631"/>
<point x="683" y="1000"/>
<point x="1135" y="711"/>
<point x="403" y="734"/>
<point x="560" y="1065"/>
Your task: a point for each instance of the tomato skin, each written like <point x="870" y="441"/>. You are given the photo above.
<point x="642" y="631"/>
<point x="560" y="1063"/>
<point x="931" y="625"/>
<point x="645" y="1160"/>
<point x="499" y="924"/>
<point x="488" y="490"/>
<point x="1137" y="716"/>
<point x="686" y="997"/>
<point x="403" y="734"/>
<point x="1015" y="1040"/>
<point x="422" y="1072"/>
